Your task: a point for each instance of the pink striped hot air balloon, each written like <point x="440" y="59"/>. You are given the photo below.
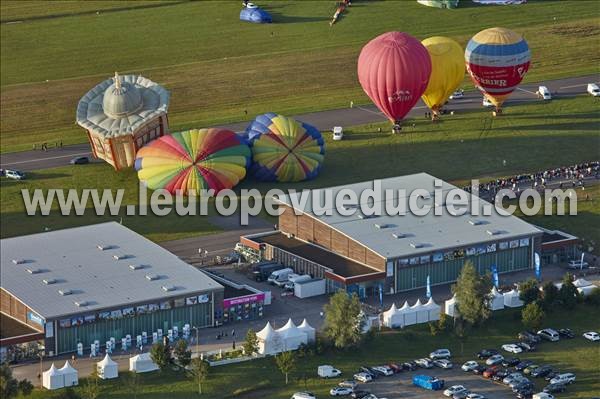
<point x="394" y="69"/>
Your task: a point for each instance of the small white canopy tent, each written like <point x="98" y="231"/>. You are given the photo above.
<point x="587" y="290"/>
<point x="449" y="306"/>
<point x="512" y="300"/>
<point x="496" y="299"/>
<point x="409" y="315"/>
<point x="433" y="310"/>
<point x="291" y="336"/>
<point x="268" y="340"/>
<point x="53" y="378"/>
<point x="107" y="368"/>
<point x="393" y="317"/>
<point x="581" y="282"/>
<point x="421" y="313"/>
<point x="142" y="363"/>
<point x="310" y="332"/>
<point x="70" y="375"/>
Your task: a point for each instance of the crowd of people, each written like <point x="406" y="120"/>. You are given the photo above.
<point x="563" y="177"/>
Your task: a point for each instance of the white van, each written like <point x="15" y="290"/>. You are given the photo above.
<point x="295" y="278"/>
<point x="280" y="277"/>
<point x="593" y="89"/>
<point x="338" y="133"/>
<point x="544" y="93"/>
<point x="328" y="371"/>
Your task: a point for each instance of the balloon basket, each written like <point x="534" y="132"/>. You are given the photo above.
<point x="396" y="129"/>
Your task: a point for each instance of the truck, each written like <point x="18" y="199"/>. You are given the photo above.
<point x="328" y="371"/>
<point x="428" y="382"/>
<point x="262" y="270"/>
<point x="280" y="277"/>
<point x="309" y="288"/>
<point x="296" y="278"/>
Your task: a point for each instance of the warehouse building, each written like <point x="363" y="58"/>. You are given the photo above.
<point x="365" y="254"/>
<point x="100" y="282"/>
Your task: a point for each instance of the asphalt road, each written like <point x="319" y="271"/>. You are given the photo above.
<point x="323" y="120"/>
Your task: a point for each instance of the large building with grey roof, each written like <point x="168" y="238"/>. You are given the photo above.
<point x="395" y="252"/>
<point x="100" y="281"/>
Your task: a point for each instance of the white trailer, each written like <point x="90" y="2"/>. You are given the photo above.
<point x="309" y="288"/>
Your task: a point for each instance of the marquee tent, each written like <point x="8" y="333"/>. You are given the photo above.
<point x="53" y="378"/>
<point x="269" y="341"/>
<point x="142" y="363"/>
<point x="107" y="368"/>
<point x="512" y="300"/>
<point x="587" y="290"/>
<point x="393" y="317"/>
<point x="581" y="282"/>
<point x="433" y="310"/>
<point x="291" y="336"/>
<point x="421" y="311"/>
<point x="449" y="306"/>
<point x="410" y="316"/>
<point x="70" y="375"/>
<point x="496" y="300"/>
<point x="311" y="333"/>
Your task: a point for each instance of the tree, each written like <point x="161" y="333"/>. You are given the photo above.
<point x="25" y="387"/>
<point x="472" y="295"/>
<point x="532" y="316"/>
<point x="91" y="389"/>
<point x="529" y="291"/>
<point x="568" y="292"/>
<point x="593" y="297"/>
<point x="182" y="353"/>
<point x="10" y="387"/>
<point x="251" y="344"/>
<point x="343" y="321"/>
<point x="550" y="296"/>
<point x="286" y="362"/>
<point x="161" y="355"/>
<point x="198" y="372"/>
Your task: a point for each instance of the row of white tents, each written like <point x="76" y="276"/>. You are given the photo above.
<point x="408" y="315"/>
<point x="65" y="376"/>
<point x="498" y="301"/>
<point x="583" y="286"/>
<point x="289" y="337"/>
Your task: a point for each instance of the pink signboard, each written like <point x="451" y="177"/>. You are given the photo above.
<point x="227" y="303"/>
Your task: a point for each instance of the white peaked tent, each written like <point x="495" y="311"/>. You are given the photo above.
<point x="53" y="378"/>
<point x="310" y="332"/>
<point x="70" y="375"/>
<point x="512" y="300"/>
<point x="142" y="363"/>
<point x="107" y="368"/>
<point x="496" y="299"/>
<point x="587" y="290"/>
<point x="450" y="305"/>
<point x="268" y="340"/>
<point x="433" y="310"/>
<point x="291" y="336"/>
<point x="393" y="317"/>
<point x="421" y="311"/>
<point x="581" y="282"/>
<point x="410" y="316"/>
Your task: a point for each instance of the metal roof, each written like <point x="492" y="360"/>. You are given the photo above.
<point x="407" y="234"/>
<point x="90" y="266"/>
<point x="121" y="105"/>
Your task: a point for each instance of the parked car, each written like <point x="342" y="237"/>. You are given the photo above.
<point x="566" y="333"/>
<point x="542" y="395"/>
<point x="368" y="370"/>
<point x="475" y="396"/>
<point x="359" y="394"/>
<point x="485" y="353"/>
<point x="338" y="133"/>
<point x="14" y="174"/>
<point x="500" y="375"/>
<point x="304" y="395"/>
<point x="512" y="377"/>
<point x="549" y="334"/>
<point x="551" y="375"/>
<point x="520" y="383"/>
<point x="376" y="372"/>
<point x="494" y="360"/>
<point x="566" y="378"/>
<point x="79" y="161"/>
<point x="529" y="369"/>
<point x="554" y="388"/>
<point x="525" y="393"/>
<point x="457" y="94"/>
<point x="592" y="336"/>
<point x="593" y="89"/>
<point x="363" y="377"/>
<point x="348" y="384"/>
<point x="454" y="389"/>
<point x="440" y="354"/>
<point x="395" y="367"/>
<point x="340" y="391"/>
<point x="469" y="366"/>
<point x="409" y="366"/>
<point x="479" y="369"/>
<point x="490" y="371"/>
<point x="384" y="370"/>
<point x="529" y="337"/>
<point x="461" y="395"/>
<point x="512" y="348"/>
<point x="523" y="365"/>
<point x="526" y="346"/>
<point x="425" y="363"/>
<point x="541" y="371"/>
<point x="511" y="361"/>
<point x="577" y="264"/>
<point x="443" y="363"/>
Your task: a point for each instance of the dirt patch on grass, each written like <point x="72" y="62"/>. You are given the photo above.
<point x="578" y="30"/>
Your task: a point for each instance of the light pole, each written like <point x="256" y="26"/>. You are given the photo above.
<point x="41" y="355"/>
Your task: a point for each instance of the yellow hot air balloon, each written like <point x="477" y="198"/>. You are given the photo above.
<point x="447" y="71"/>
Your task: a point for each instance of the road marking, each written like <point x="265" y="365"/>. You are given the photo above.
<point x="47" y="159"/>
<point x="570" y="87"/>
<point x="526" y="91"/>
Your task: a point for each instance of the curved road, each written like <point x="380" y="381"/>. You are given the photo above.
<point x="323" y="120"/>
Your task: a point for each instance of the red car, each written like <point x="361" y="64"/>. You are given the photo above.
<point x="396" y="368"/>
<point x="490" y="371"/>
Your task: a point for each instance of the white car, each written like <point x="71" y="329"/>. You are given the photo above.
<point x="593" y="89"/>
<point x="424" y="363"/>
<point x="544" y="93"/>
<point x="340" y="391"/>
<point x="469" y="366"/>
<point x="494" y="360"/>
<point x="385" y="370"/>
<point x="475" y="396"/>
<point x="14" y="174"/>
<point x="443" y="363"/>
<point x="363" y="377"/>
<point x="440" y="354"/>
<point x="457" y="94"/>
<point x="592" y="336"/>
<point x="338" y="133"/>
<point x="512" y="348"/>
<point x="454" y="389"/>
<point x="304" y="395"/>
<point x="487" y="103"/>
<point x="348" y="384"/>
<point x="566" y="378"/>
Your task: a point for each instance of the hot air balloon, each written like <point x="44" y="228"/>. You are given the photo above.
<point x="194" y="160"/>
<point x="394" y="69"/>
<point x="447" y="71"/>
<point x="497" y="60"/>
<point x="283" y="149"/>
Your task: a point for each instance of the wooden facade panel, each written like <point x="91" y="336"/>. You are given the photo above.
<point x="375" y="260"/>
<point x="322" y="235"/>
<point x="17" y="310"/>
<point x="357" y="252"/>
<point x="5" y="302"/>
<point x="288" y="222"/>
<point x="305" y="228"/>
<point x="339" y="243"/>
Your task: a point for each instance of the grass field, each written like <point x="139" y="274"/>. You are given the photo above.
<point x="217" y="67"/>
<point x="261" y="379"/>
<point x="529" y="137"/>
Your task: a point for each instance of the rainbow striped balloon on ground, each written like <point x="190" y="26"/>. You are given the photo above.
<point x="194" y="160"/>
<point x="497" y="60"/>
<point x="284" y="149"/>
